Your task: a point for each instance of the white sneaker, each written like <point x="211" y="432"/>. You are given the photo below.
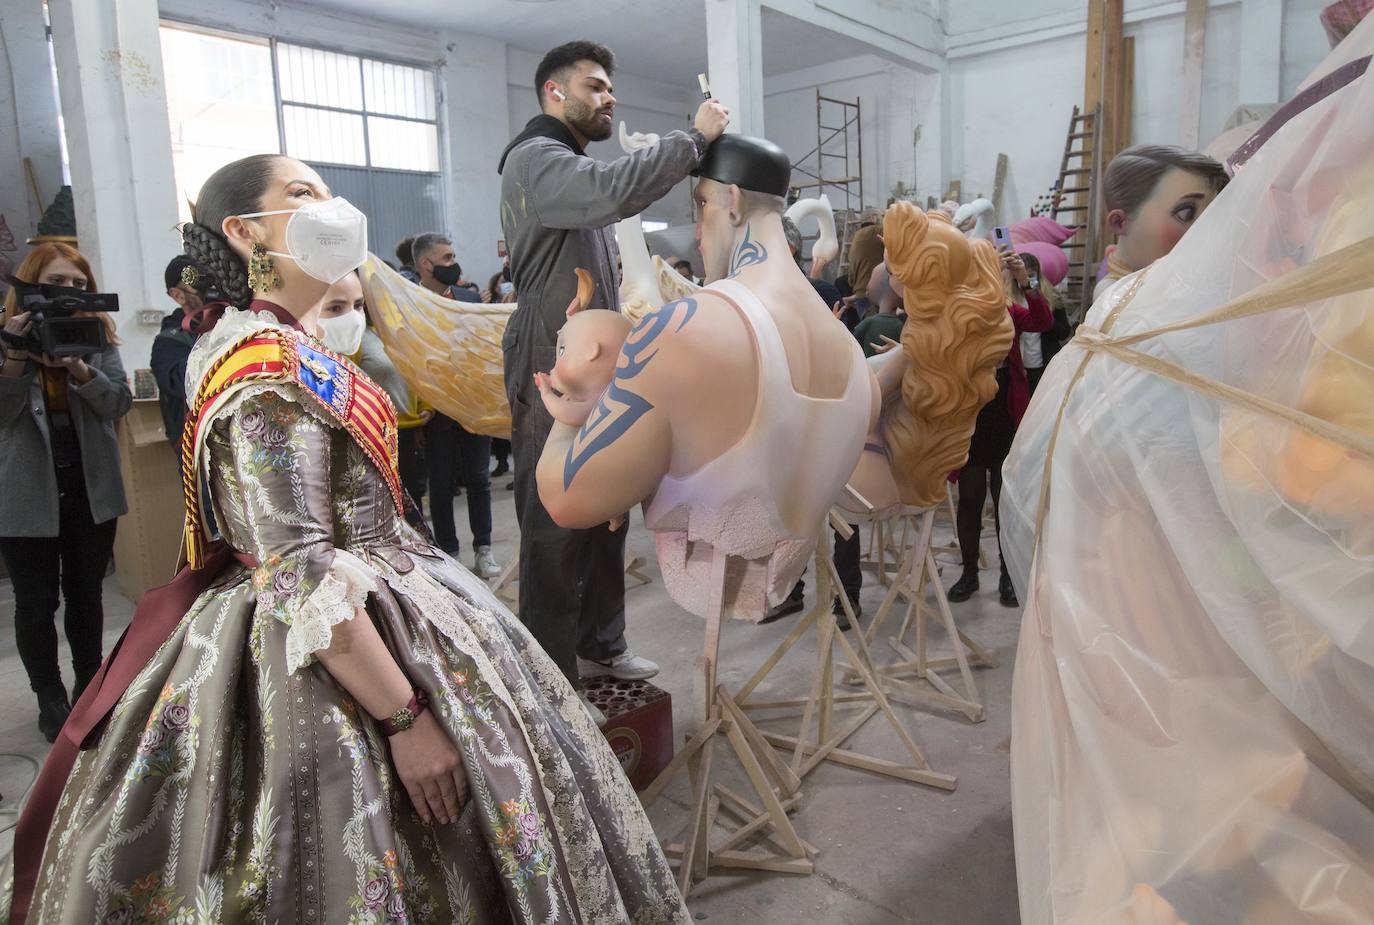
<point x="593" y="709"/>
<point x="484" y="563"/>
<point x="626" y="666"/>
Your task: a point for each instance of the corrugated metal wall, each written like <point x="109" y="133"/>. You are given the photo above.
<point x="397" y="202"/>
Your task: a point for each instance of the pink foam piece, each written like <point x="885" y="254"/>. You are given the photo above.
<point x="1040" y="228"/>
<point x="1054" y="263"/>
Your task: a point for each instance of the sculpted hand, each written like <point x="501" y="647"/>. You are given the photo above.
<point x="431" y="770"/>
<point x="564" y="410"/>
<point x="711" y="119"/>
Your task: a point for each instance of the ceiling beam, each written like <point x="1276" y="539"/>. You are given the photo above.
<point x="923" y="50"/>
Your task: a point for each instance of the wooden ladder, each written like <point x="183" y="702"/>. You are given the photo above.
<point x="1076" y="199"/>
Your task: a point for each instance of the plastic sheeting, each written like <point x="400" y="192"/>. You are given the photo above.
<point x="1193" y="705"/>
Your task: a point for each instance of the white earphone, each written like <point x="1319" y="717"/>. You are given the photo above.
<point x="558" y="95"/>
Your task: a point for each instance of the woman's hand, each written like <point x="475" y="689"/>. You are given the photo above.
<point x="431" y="770"/>
<point x="1017" y="267"/>
<point x="16" y="330"/>
<point x="75" y="366"/>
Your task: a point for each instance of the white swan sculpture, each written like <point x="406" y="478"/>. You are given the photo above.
<point x="976" y="219"/>
<point x="646" y="281"/>
<point x="827" y="246"/>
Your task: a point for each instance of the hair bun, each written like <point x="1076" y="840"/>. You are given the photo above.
<point x="210" y="250"/>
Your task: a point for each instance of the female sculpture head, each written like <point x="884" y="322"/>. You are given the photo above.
<point x="1153" y="194"/>
<point x="957" y="331"/>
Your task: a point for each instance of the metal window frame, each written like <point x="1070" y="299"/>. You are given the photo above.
<point x="364" y="112"/>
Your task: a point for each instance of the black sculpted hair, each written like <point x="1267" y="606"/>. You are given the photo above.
<point x="562" y="59"/>
<point x="403" y="251"/>
<point x="234" y="189"/>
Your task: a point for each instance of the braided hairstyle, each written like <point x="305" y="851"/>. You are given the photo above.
<point x="234" y="189"/>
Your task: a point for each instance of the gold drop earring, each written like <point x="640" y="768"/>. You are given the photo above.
<point x="262" y="271"/>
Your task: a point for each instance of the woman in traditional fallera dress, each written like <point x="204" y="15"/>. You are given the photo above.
<point x="234" y="768"/>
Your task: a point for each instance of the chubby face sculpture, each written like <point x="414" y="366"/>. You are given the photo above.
<point x="584" y="363"/>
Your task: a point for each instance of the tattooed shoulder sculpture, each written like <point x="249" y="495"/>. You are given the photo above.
<point x="622" y="405"/>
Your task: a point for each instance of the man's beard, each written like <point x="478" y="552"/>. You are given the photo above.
<point x="586" y="120"/>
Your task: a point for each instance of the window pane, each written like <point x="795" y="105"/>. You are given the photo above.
<point x="403" y="145"/>
<point x="219" y="104"/>
<point x="325" y="78"/>
<point x="324" y="135"/>
<point x="396" y="90"/>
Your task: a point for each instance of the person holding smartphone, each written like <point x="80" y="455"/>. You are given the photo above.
<point x="996" y="426"/>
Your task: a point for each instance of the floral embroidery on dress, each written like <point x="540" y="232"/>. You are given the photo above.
<point x="522" y="846"/>
<point x="158" y="754"/>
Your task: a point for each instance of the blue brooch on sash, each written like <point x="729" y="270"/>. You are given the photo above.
<point x="329" y="379"/>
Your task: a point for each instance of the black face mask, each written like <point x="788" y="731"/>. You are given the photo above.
<point x="448" y="274"/>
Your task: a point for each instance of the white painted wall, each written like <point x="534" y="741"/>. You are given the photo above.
<point x="893" y="100"/>
<point x="1014" y="79"/>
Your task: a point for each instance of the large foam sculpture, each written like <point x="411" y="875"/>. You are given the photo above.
<point x="1188" y="513"/>
<point x="957" y="332"/>
<point x="1153" y="194"/>
<point x="703" y="420"/>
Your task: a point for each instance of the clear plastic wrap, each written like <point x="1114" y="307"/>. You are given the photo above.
<point x="1193" y="704"/>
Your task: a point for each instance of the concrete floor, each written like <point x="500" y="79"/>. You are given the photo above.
<point x="890" y="851"/>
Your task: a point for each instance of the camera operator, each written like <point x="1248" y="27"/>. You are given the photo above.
<point x="62" y="486"/>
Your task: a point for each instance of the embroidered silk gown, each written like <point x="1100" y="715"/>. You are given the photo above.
<point x="236" y="781"/>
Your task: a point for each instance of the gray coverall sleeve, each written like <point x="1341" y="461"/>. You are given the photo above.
<point x="567" y="191"/>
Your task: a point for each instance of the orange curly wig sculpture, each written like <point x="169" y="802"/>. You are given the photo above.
<point x="957" y="331"/>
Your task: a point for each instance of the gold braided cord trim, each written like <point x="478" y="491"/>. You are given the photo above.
<point x="193" y="536"/>
<point x="1341" y="272"/>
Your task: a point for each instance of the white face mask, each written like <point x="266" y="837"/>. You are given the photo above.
<point x="327" y="239"/>
<point x="344" y="333"/>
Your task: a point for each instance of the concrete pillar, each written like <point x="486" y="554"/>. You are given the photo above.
<point x="1261" y="51"/>
<point x="28" y="120"/>
<point x="928" y="101"/>
<point x="734" y="54"/>
<point x="114" y="110"/>
<point x="477" y="123"/>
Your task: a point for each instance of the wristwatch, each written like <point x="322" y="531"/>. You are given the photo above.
<point x="405" y="717"/>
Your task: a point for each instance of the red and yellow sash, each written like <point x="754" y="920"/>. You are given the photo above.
<point x="279" y="355"/>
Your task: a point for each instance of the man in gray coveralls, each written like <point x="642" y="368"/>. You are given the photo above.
<point x="558" y="206"/>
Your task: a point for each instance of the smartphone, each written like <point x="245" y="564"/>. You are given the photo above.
<point x="1001" y="237"/>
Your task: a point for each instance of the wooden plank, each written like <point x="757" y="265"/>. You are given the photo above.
<point x="1092" y="70"/>
<point x="876" y="765"/>
<point x="999" y="180"/>
<point x="668" y="773"/>
<point x="1190" y="99"/>
<point x="1112" y="55"/>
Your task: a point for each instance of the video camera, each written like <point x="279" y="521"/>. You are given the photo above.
<point x="57" y="330"/>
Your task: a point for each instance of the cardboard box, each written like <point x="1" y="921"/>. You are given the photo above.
<point x="148" y="539"/>
<point x="639" y="725"/>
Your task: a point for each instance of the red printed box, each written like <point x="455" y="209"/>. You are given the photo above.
<point x="639" y="725"/>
